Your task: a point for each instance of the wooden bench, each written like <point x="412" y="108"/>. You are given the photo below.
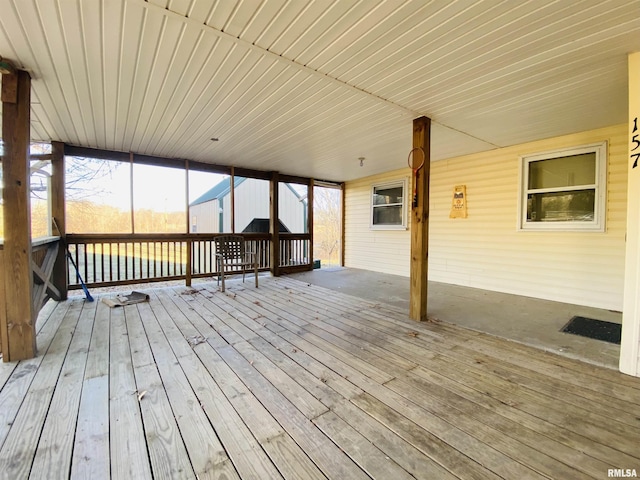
<point x="232" y="256"/>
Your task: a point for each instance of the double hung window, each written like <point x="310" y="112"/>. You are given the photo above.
<point x="564" y="190"/>
<point x="388" y="206"/>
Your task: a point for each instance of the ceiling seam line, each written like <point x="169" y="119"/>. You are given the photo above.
<point x="246" y="44"/>
<point x="275" y="56"/>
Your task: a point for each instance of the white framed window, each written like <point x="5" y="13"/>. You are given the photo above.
<point x="564" y="190"/>
<point x="388" y="206"/>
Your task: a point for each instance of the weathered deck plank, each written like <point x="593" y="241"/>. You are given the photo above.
<point x="514" y="431"/>
<point x="207" y="454"/>
<point x="18" y="376"/>
<point x="53" y="457"/>
<point x="368" y="456"/>
<point x="318" y="447"/>
<point x="282" y="450"/>
<point x="502" y="376"/>
<point x="279" y="382"/>
<point x="392" y="445"/>
<point x="91" y="445"/>
<point x="244" y="450"/>
<point x="128" y="449"/>
<point x="21" y="443"/>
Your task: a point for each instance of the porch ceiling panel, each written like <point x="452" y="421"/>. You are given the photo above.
<point x="307" y="87"/>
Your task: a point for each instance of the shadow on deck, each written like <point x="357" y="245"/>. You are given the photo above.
<point x="295" y="381"/>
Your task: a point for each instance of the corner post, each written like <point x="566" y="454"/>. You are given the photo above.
<point x="343" y="222"/>
<point x="630" y="344"/>
<point x="57" y="200"/>
<point x="20" y="317"/>
<point x="310" y="220"/>
<point x="189" y="238"/>
<point x="274" y="224"/>
<point x="420" y="223"/>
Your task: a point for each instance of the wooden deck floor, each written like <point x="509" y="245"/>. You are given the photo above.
<point x="295" y="381"/>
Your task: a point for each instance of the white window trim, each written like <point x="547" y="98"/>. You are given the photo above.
<point x="395" y="183"/>
<point x="600" y="207"/>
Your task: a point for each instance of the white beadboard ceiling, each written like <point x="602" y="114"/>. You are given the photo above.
<point x="306" y="87"/>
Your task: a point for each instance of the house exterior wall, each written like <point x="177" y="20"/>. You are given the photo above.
<point x="251" y="201"/>
<point x="292" y="210"/>
<point x="207" y="217"/>
<point x="486" y="250"/>
<point x="384" y="251"/>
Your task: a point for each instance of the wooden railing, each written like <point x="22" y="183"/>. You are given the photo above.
<point x="43" y="257"/>
<point x="122" y="259"/>
<point x="295" y="252"/>
<point x="203" y="253"/>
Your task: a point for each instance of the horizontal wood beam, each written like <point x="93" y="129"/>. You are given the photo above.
<point x="76" y="151"/>
<point x="41" y="156"/>
<point x="249" y="173"/>
<point x="159" y="161"/>
<point x="294" y="179"/>
<point x="153" y="237"/>
<point x="209" y="168"/>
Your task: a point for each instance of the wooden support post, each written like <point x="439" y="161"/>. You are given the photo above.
<point x="343" y="210"/>
<point x="4" y="333"/>
<point x="420" y="223"/>
<point x="133" y="222"/>
<point x="232" y="183"/>
<point x="310" y="220"/>
<point x="18" y="276"/>
<point x="189" y="240"/>
<point x="274" y="224"/>
<point x="57" y="201"/>
<point x="630" y="342"/>
<point x="187" y="278"/>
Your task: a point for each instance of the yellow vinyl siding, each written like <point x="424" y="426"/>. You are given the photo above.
<point x="486" y="250"/>
<point x="378" y="250"/>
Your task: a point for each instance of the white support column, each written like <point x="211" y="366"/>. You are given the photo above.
<point x="630" y="347"/>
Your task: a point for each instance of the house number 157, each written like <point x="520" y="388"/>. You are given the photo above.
<point x="635" y="143"/>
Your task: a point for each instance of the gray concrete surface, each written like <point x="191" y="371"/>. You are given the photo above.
<point x="525" y="320"/>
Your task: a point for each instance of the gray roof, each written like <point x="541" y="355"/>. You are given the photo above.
<point x="224" y="187"/>
<point x="219" y="191"/>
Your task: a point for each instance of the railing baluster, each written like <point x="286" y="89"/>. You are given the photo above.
<point x="170" y="264"/>
<point x="114" y="259"/>
<point x="148" y="259"/>
<point x="110" y="262"/>
<point x="85" y="265"/>
<point x="101" y="261"/>
<point x="175" y="258"/>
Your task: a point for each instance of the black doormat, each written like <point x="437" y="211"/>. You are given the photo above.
<point x="591" y="328"/>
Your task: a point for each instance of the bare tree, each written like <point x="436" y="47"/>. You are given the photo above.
<point x="326" y="229"/>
